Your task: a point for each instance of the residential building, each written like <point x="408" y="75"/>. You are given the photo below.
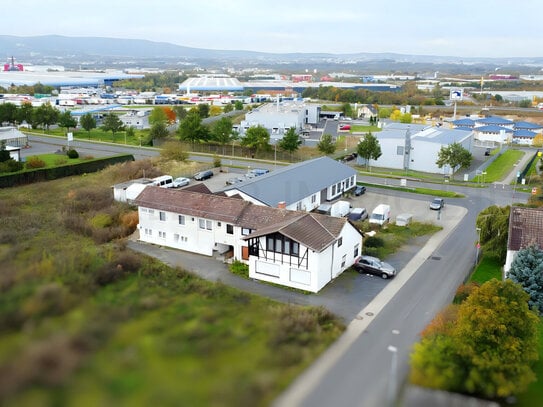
<point x="497" y="130"/>
<point x="525" y="229"/>
<point x="291" y="248"/>
<point x="302" y="186"/>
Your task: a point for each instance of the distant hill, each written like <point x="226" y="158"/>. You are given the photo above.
<point x="103" y="51"/>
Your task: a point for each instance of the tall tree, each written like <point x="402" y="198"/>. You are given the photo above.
<point x="493" y="223"/>
<point x="369" y="148"/>
<point x="180" y="112"/>
<point x="45" y="115"/>
<point x="158" y="115"/>
<point x="112" y="123"/>
<point x="203" y="110"/>
<point x="8" y="113"/>
<point x="487" y="351"/>
<point x="222" y="132"/>
<point x="527" y="270"/>
<point x="159" y="130"/>
<point x="326" y="145"/>
<point x="347" y="110"/>
<point x="24" y="113"/>
<point x="455" y="156"/>
<point x="191" y="129"/>
<point x="88" y="122"/>
<point x="256" y="139"/>
<point x="290" y="142"/>
<point x="66" y="120"/>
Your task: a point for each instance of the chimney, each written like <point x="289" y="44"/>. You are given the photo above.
<point x="282" y="205"/>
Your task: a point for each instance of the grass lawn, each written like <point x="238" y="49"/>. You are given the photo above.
<point x="502" y="165"/>
<point x="424" y="191"/>
<point x="358" y="128"/>
<point x="487" y="269"/>
<point x="392" y="237"/>
<point x="86" y="321"/>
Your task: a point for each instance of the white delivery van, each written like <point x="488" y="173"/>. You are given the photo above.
<point x="380" y="215"/>
<point x="164" y="181"/>
<point x="340" y="209"/>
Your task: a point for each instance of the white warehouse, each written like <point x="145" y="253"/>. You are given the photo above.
<point x="416" y="148"/>
<point x="278" y="117"/>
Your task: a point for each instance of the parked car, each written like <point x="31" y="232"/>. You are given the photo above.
<point x="437" y="204"/>
<point x="359" y="190"/>
<point x="180" y="182"/>
<point x="358" y="214"/>
<point x="372" y="265"/>
<point x="203" y="175"/>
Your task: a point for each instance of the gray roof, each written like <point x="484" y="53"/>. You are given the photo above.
<point x="295" y="182"/>
<point x="438" y="135"/>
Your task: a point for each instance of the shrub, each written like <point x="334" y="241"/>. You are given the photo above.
<point x="11" y="166"/>
<point x="239" y="268"/>
<point x="61" y="161"/>
<point x="34" y="162"/>
<point x="71" y="153"/>
<point x="216" y="161"/>
<point x="101" y="220"/>
<point x="123" y="265"/>
<point x="374" y="241"/>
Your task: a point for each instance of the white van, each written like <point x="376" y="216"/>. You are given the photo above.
<point x="380" y="215"/>
<point x="164" y="181"/>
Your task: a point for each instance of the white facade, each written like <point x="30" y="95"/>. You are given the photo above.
<point x="423" y="152"/>
<point x="272" y="251"/>
<point x="138" y="119"/>
<point x="278" y="118"/>
<point x="311" y="270"/>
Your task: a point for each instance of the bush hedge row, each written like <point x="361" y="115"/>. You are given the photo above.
<point x="50" y="173"/>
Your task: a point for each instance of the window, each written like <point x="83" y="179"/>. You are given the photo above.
<point x="343" y="260"/>
<point x="356" y="248"/>
<point x="313" y="198"/>
<point x="299" y="206"/>
<point x="281" y="244"/>
<point x="333" y="189"/>
<point x="162" y="215"/>
<point x="176" y="237"/>
<point x="339" y="242"/>
<point x="162" y="235"/>
<point x="399" y="150"/>
<point x="209" y="225"/>
<point x="245" y="231"/>
<point x="218" y="224"/>
<point x="181" y="219"/>
<point x="148" y="232"/>
<point x="230" y="229"/>
<point x="202" y="223"/>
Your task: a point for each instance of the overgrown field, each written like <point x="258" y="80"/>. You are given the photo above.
<point x="85" y="321"/>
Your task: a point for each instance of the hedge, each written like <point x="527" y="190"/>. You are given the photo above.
<point x="50" y="173"/>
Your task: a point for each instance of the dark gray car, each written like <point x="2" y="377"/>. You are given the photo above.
<point x="372" y="265"/>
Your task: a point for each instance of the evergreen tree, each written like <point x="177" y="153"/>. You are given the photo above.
<point x="527" y="270"/>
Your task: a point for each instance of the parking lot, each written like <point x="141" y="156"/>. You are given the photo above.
<point x="419" y="208"/>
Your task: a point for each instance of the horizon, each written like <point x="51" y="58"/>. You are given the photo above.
<point x="305" y="27"/>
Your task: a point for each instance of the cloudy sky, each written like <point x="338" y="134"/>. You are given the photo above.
<point x="491" y="28"/>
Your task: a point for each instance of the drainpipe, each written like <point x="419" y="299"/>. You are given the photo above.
<point x="332" y="264"/>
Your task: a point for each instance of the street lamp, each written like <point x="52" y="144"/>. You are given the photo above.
<point x="392" y="377"/>
<point x="478" y="245"/>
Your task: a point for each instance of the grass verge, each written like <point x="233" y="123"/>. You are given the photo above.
<point x="502" y="165"/>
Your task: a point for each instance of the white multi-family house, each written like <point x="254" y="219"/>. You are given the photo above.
<point x="303" y="186"/>
<point x="291" y="248"/>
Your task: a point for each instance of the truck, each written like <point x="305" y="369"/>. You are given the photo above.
<point x="380" y="215"/>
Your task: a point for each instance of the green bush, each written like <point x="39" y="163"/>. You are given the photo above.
<point x="374" y="241"/>
<point x="11" y="166"/>
<point x="239" y="268"/>
<point x="71" y="153"/>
